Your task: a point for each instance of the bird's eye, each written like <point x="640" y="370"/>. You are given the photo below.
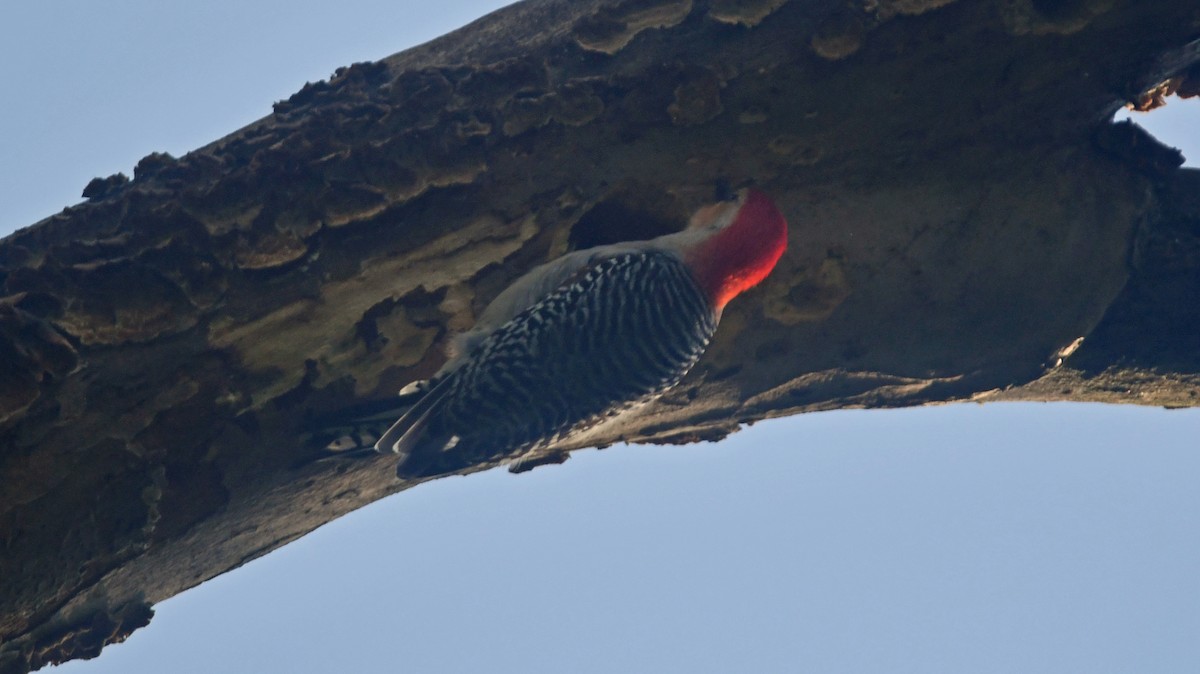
<point x="724" y="191"/>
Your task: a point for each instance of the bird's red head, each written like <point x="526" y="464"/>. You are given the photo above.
<point x="749" y="238"/>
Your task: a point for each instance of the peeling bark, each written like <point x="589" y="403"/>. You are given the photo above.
<point x="962" y="212"/>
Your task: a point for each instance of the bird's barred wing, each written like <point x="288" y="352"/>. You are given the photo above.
<point x="628" y="328"/>
<point x="530" y="289"/>
<point x="407" y="435"/>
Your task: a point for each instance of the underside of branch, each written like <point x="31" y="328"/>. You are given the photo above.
<point x="966" y="224"/>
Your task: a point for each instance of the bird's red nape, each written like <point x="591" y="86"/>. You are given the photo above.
<point x="740" y="256"/>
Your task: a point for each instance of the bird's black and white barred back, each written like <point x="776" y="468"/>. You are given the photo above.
<point x="621" y="332"/>
<point x="584" y="337"/>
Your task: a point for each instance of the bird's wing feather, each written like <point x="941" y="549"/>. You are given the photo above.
<point x="529" y="290"/>
<point x="404" y="436"/>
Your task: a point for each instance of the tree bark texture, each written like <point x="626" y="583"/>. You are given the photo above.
<point x="962" y="212"/>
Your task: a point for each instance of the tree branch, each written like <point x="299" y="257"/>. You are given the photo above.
<point x="962" y="213"/>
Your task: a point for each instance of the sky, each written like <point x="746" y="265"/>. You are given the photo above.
<point x="963" y="538"/>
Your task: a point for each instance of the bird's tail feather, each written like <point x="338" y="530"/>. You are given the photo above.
<point x="405" y="436"/>
<point x="351" y="432"/>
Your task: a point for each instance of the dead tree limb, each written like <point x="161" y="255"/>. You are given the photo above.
<point x="962" y="212"/>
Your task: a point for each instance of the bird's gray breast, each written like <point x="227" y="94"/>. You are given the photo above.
<point x="625" y="330"/>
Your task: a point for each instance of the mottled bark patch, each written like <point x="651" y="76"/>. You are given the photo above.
<point x="748" y="13"/>
<point x="613" y="27"/>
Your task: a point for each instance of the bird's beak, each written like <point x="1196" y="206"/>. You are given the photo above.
<point x="714" y="216"/>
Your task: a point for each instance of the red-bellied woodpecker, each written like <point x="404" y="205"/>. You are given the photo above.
<point x="586" y="337"/>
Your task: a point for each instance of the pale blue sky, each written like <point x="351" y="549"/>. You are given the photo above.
<point x="967" y="538"/>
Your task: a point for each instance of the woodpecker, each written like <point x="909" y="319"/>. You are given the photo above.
<point x="585" y="338"/>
